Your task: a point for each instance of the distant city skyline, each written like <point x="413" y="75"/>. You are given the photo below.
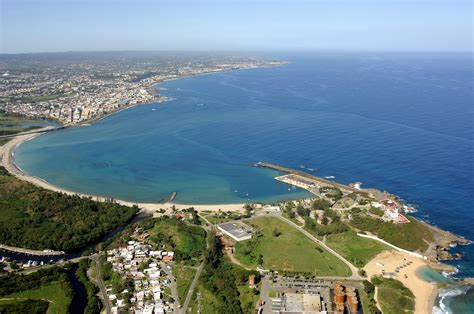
<point x="238" y="25"/>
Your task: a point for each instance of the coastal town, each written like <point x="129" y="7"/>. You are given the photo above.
<point x="75" y="88"/>
<point x="327" y="253"/>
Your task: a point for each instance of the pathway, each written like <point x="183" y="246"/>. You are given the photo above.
<point x="191" y="288"/>
<point x="355" y="271"/>
<point x="100" y="283"/>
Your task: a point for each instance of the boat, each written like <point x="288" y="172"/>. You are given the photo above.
<point x="329" y="177"/>
<point x="301" y="166"/>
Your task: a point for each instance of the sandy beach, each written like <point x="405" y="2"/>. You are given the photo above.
<point x="425" y="292"/>
<point x="7" y="161"/>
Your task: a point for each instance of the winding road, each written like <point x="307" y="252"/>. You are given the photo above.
<point x="355" y="271"/>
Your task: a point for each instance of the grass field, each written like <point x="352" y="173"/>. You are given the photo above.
<point x="290" y="251"/>
<point x="53" y="293"/>
<point x="359" y="251"/>
<point x="184" y="276"/>
<point x="393" y="296"/>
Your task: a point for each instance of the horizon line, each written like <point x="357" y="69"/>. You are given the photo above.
<point x="244" y="51"/>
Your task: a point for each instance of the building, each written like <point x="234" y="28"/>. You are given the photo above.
<point x="303" y="303"/>
<point x="235" y="230"/>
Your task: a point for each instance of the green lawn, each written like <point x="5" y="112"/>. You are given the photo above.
<point x="359" y="251"/>
<point x="290" y="251"/>
<point x="53" y="293"/>
<point x="184" y="276"/>
<point x="393" y="296"/>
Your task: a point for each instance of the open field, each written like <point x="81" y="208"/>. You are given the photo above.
<point x="289" y="251"/>
<point x="359" y="251"/>
<point x="53" y="293"/>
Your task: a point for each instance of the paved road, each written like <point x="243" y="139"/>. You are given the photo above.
<point x="191" y="288"/>
<point x="174" y="290"/>
<point x="100" y="283"/>
<point x="355" y="275"/>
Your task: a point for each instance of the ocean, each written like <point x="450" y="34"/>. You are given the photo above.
<point x="399" y="122"/>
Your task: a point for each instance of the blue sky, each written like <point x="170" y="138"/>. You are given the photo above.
<point x="235" y="25"/>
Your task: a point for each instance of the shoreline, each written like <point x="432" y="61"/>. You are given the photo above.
<point x="7" y="154"/>
<point x="425" y="292"/>
<point x="155" y="96"/>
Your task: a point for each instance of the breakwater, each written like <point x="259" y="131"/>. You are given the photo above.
<point x="305" y="175"/>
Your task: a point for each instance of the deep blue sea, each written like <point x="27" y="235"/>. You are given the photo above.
<point x="399" y="122"/>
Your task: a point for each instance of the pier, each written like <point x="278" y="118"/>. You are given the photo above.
<point x="305" y="175"/>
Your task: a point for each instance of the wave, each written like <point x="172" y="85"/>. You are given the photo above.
<point x="446" y="294"/>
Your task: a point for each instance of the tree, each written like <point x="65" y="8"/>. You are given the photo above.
<point x="302" y="211"/>
<point x="248" y="210"/>
<point x="276" y="232"/>
<point x="368" y="287"/>
<point x="260" y="260"/>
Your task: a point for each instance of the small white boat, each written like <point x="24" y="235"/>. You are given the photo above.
<point x="236" y="191"/>
<point x="330" y="177"/>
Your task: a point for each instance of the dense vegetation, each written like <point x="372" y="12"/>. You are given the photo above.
<point x="27" y="306"/>
<point x="187" y="241"/>
<point x="93" y="303"/>
<point x="413" y="236"/>
<point x="331" y="223"/>
<point x="369" y="304"/>
<point x="223" y="280"/>
<point x="50" y="284"/>
<point x="36" y="218"/>
<point x="393" y="296"/>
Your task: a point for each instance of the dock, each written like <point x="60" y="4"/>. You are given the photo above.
<point x="306" y="176"/>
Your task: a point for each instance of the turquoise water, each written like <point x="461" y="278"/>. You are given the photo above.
<point x="399" y="122"/>
<point x="430" y="275"/>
